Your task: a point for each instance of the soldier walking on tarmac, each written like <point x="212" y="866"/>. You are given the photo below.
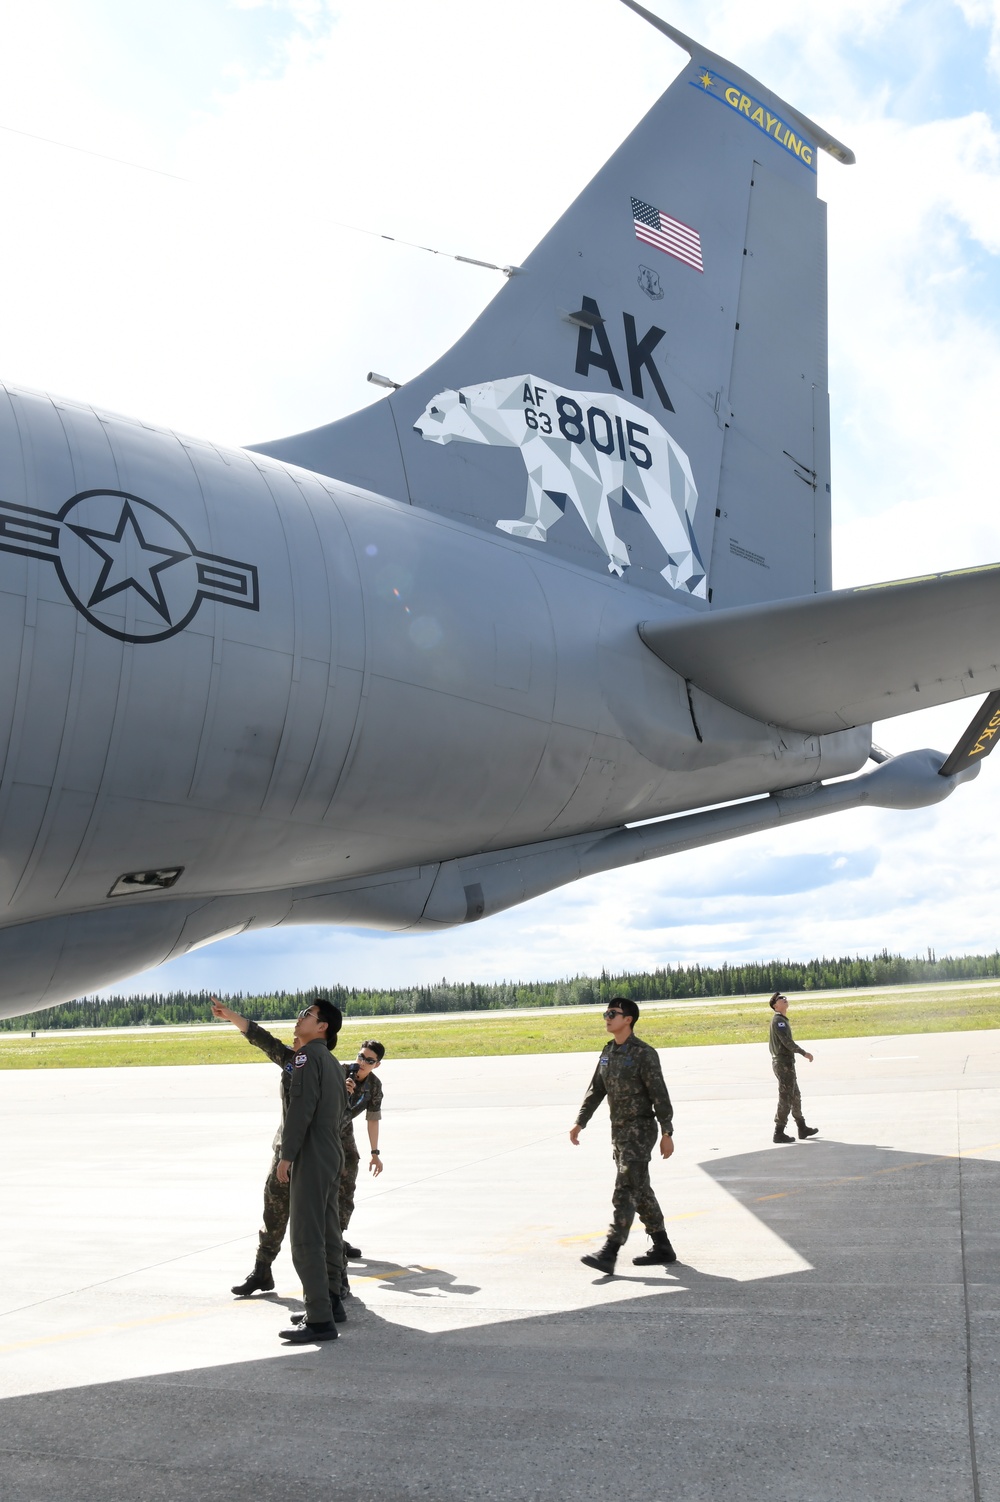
<point x="629" y="1074"/>
<point x="783" y="1050"/>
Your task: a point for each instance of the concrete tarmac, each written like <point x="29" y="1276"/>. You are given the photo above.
<point x="828" y="1333"/>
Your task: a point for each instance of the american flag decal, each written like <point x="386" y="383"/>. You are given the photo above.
<point x="654" y="227"/>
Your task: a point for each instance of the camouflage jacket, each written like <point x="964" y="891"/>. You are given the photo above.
<point x="629" y="1074"/>
<point x="279" y="1053"/>
<point x="367" y="1097"/>
<point x="781" y="1043"/>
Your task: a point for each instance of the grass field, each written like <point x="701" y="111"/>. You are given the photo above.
<point x="852" y="1015"/>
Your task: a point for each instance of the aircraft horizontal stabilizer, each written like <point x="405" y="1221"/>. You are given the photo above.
<point x="828" y="662"/>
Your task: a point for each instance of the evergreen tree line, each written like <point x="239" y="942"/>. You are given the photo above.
<point x="669" y="982"/>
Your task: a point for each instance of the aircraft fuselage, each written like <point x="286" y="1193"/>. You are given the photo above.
<point x="220" y="663"/>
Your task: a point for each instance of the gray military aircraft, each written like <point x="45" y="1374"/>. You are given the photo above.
<point x="417" y="666"/>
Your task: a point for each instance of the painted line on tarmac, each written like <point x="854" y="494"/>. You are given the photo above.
<point x="123" y="1326"/>
<point x="403" y="1272"/>
<point x="686" y="1215"/>
<point x="96" y="1330"/>
<point x="132" y="1272"/>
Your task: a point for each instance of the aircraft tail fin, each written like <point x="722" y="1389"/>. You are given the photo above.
<point x="647" y="395"/>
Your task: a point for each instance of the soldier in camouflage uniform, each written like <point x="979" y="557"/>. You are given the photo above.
<point x="276" y="1192"/>
<point x="364" y="1091"/>
<point x="783" y="1050"/>
<point x="629" y="1074"/>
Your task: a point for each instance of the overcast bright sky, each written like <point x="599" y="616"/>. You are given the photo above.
<point x="219" y="292"/>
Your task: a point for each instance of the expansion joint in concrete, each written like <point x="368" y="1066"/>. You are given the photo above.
<point x="976" y="1494"/>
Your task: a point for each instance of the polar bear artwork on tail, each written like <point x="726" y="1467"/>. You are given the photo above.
<point x="587" y="450"/>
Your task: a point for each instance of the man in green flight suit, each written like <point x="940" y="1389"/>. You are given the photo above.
<point x="629" y="1074"/>
<point x="313" y="1105"/>
<point x="783" y="1050"/>
<point x="312" y="1159"/>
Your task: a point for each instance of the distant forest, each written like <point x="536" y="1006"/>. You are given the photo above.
<point x="669" y="983"/>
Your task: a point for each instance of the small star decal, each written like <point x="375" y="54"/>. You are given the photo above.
<point x="127" y="562"/>
<point x="706" y="80"/>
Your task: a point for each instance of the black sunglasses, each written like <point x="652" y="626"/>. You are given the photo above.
<point x="366" y="1058"/>
<point x="611" y="1014"/>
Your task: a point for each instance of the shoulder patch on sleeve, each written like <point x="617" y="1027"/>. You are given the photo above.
<point x="781" y="1023"/>
<point x="300" y="1059"/>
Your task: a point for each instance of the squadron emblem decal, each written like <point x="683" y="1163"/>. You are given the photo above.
<point x="650" y="283"/>
<point x="127" y="566"/>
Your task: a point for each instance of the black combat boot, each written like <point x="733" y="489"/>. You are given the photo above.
<point x="352" y="1253"/>
<point x="805" y="1131"/>
<point x="605" y="1259"/>
<point x="303" y="1334"/>
<point x="661" y="1252"/>
<point x="780" y="1136"/>
<point x="259" y="1281"/>
<point x="339" y="1312"/>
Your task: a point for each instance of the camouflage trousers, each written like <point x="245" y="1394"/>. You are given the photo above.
<point x="633" y="1192"/>
<point x="349" y="1177"/>
<point x="789" y="1099"/>
<point x="276" y="1201"/>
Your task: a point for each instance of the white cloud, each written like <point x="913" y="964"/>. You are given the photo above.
<point x="985" y="13"/>
<point x="915" y="354"/>
<point x="247" y="261"/>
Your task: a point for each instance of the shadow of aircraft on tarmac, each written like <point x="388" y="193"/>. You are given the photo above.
<point x="863" y="1379"/>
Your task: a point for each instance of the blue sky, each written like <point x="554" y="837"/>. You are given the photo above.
<point x="228" y="301"/>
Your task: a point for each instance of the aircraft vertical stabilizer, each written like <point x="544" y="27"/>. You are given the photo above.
<point x="647" y="395"/>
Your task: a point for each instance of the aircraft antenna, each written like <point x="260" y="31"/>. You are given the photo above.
<point x="430" y="249"/>
<point x="160" y="172"/>
<point x="102" y="156"/>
